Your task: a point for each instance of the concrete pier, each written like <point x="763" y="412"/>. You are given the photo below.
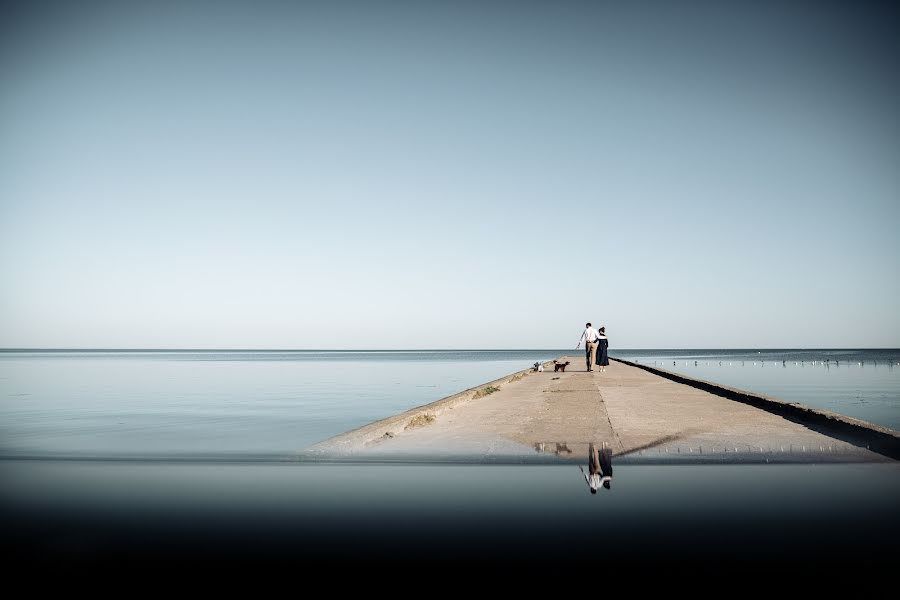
<point x="641" y="413"/>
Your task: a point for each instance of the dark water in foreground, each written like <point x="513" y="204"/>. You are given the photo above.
<point x="76" y="514"/>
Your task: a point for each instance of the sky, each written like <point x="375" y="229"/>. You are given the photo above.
<point x="449" y="174"/>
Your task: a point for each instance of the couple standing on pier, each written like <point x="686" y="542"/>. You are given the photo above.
<point x="596" y="345"/>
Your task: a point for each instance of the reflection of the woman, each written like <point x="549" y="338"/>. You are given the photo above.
<point x="599" y="467"/>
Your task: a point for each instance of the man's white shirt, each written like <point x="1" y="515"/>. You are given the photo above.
<point x="590" y="335"/>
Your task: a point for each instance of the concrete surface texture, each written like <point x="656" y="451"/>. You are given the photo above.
<point x="635" y="412"/>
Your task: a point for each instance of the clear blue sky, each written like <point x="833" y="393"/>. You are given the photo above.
<point x="449" y="175"/>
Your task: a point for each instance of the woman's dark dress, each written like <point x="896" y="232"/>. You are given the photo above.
<point x="602" y="356"/>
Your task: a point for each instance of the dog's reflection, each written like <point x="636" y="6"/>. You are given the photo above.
<point x="561" y="447"/>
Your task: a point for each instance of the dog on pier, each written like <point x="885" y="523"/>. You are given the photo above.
<point x="558" y="366"/>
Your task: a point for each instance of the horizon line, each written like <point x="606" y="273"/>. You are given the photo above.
<point x="758" y="349"/>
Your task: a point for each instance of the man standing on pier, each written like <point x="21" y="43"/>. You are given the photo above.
<point x="589" y="337"/>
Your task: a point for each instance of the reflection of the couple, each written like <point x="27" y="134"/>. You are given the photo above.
<point x="599" y="467"/>
<point x="599" y="458"/>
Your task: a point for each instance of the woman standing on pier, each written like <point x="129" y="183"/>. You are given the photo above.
<point x="602" y="349"/>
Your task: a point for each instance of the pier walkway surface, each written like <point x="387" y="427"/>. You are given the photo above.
<point x="642" y="415"/>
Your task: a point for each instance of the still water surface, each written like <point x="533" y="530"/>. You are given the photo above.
<point x="239" y="403"/>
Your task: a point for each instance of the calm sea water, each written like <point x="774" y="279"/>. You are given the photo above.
<point x="388" y="518"/>
<point x="859" y="383"/>
<point x="245" y="403"/>
<point x="167" y="403"/>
